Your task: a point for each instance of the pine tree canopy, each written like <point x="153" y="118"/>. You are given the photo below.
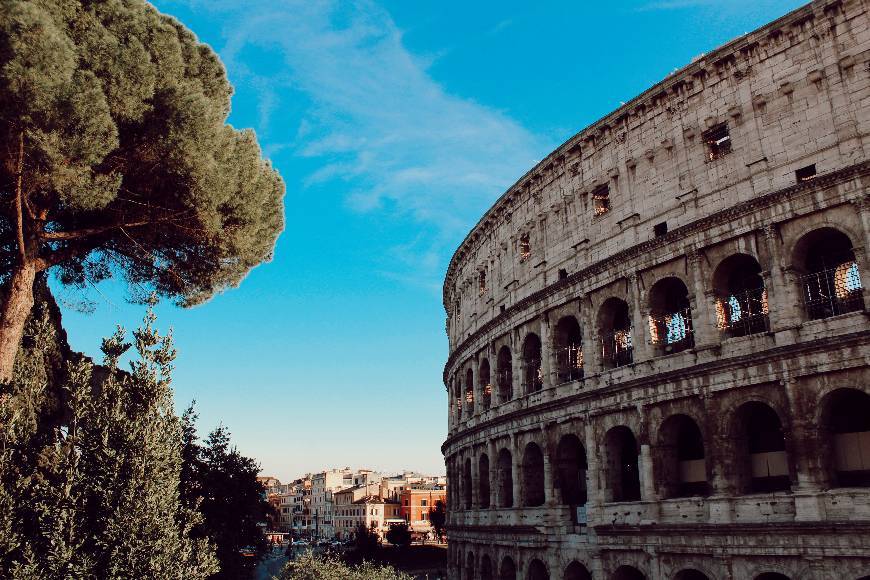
<point x="117" y="157"/>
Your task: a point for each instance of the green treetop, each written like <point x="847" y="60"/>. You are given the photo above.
<point x="115" y="157"/>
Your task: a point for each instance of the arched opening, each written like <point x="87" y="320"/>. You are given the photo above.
<point x="507" y="570"/>
<point x="762" y="441"/>
<point x="466" y="484"/>
<point x="505" y="479"/>
<point x="772" y="576"/>
<point x="485" y="568"/>
<point x="690" y="574"/>
<point x="504" y="375"/>
<point x="469" y="566"/>
<point x="483" y="481"/>
<point x="828" y="274"/>
<point x="741" y="298"/>
<point x="533" y="378"/>
<point x="568" y="342"/>
<point x="485" y="384"/>
<point x="571" y="472"/>
<point x="682" y="470"/>
<point x="533" y="476"/>
<point x="537" y="571"/>
<point x="628" y="573"/>
<point x="846" y="434"/>
<point x="469" y="392"/>
<point x="457" y="382"/>
<point x="614" y="330"/>
<point x="623" y="473"/>
<point x="670" y="316"/>
<point x="577" y="571"/>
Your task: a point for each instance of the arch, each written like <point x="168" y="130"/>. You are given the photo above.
<point x="771" y="576"/>
<point x="533" y="476"/>
<point x="571" y="470"/>
<point x="577" y="571"/>
<point x="507" y="570"/>
<point x="537" y="571"/>
<point x="505" y="481"/>
<point x="469" y="392"/>
<point x="485" y="383"/>
<point x="623" y="472"/>
<point x="741" y="298"/>
<point x="681" y="465"/>
<point x="614" y="332"/>
<point x="829" y="280"/>
<point x="568" y="343"/>
<point x="691" y="574"/>
<point x="628" y="573"/>
<point x="845" y="429"/>
<point x="533" y="378"/>
<point x="485" y="567"/>
<point x="483" y="481"/>
<point x="670" y="316"/>
<point x="762" y="459"/>
<point x="466" y="483"/>
<point x="504" y="375"/>
<point x="469" y="566"/>
<point x="457" y="383"/>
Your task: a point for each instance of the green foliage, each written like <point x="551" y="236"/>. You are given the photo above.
<point x="98" y="496"/>
<point x="311" y="567"/>
<point x="223" y="484"/>
<point x="438" y="519"/>
<point x="399" y="534"/>
<point x="366" y="541"/>
<point x="128" y="164"/>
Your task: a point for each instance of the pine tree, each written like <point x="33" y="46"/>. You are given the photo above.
<point x="115" y="157"/>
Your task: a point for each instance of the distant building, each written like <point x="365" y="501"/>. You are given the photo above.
<point x="416" y="504"/>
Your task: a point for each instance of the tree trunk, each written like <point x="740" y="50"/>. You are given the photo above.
<point x="15" y="310"/>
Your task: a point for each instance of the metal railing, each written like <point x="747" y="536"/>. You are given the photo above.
<point x="672" y="331"/>
<point x="832" y="292"/>
<point x="504" y="378"/>
<point x="743" y="313"/>
<point x="616" y="348"/>
<point x="569" y="360"/>
<point x="533" y="377"/>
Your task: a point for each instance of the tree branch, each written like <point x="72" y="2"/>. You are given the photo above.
<point x="78" y="234"/>
<point x="19" y="215"/>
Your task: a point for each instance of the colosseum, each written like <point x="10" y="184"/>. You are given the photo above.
<point x="659" y="335"/>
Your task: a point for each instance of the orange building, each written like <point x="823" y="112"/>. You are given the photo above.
<point x="416" y="504"/>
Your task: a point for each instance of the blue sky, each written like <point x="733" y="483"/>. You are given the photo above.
<point x="395" y="125"/>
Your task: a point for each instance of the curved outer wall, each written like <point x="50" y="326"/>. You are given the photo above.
<point x="712" y="440"/>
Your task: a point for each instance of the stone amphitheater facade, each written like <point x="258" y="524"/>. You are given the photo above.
<point x="659" y="335"/>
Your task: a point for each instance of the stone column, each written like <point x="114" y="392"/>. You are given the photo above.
<point x="782" y="297"/>
<point x="475" y="482"/>
<point x="703" y="304"/>
<point x="639" y="321"/>
<point x="593" y="471"/>
<point x="808" y="505"/>
<point x="546" y="448"/>
<point x="516" y="367"/>
<point x="475" y="401"/>
<point x="591" y="358"/>
<point x="516" y="459"/>
<point x="647" y="484"/>
<point x="546" y="354"/>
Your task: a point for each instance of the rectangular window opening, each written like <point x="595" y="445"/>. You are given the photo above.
<point x="525" y="248"/>
<point x="718" y="141"/>
<point x="660" y="229"/>
<point x="563" y="274"/>
<point x="805" y="173"/>
<point x="601" y="200"/>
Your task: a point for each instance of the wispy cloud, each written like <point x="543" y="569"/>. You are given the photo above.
<point x="378" y="124"/>
<point x="676" y="4"/>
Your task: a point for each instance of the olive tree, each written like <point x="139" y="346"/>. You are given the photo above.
<point x="116" y="159"/>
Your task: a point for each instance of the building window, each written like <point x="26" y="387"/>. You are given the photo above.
<point x="805" y="173"/>
<point x="601" y="200"/>
<point x="481" y="283"/>
<point x="718" y="141"/>
<point x="423" y="502"/>
<point x="660" y="229"/>
<point x="525" y="248"/>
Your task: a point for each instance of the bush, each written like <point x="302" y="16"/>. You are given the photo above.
<point x="399" y="535"/>
<point x="311" y="567"/>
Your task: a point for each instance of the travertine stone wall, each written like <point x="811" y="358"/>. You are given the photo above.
<point x="791" y="95"/>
